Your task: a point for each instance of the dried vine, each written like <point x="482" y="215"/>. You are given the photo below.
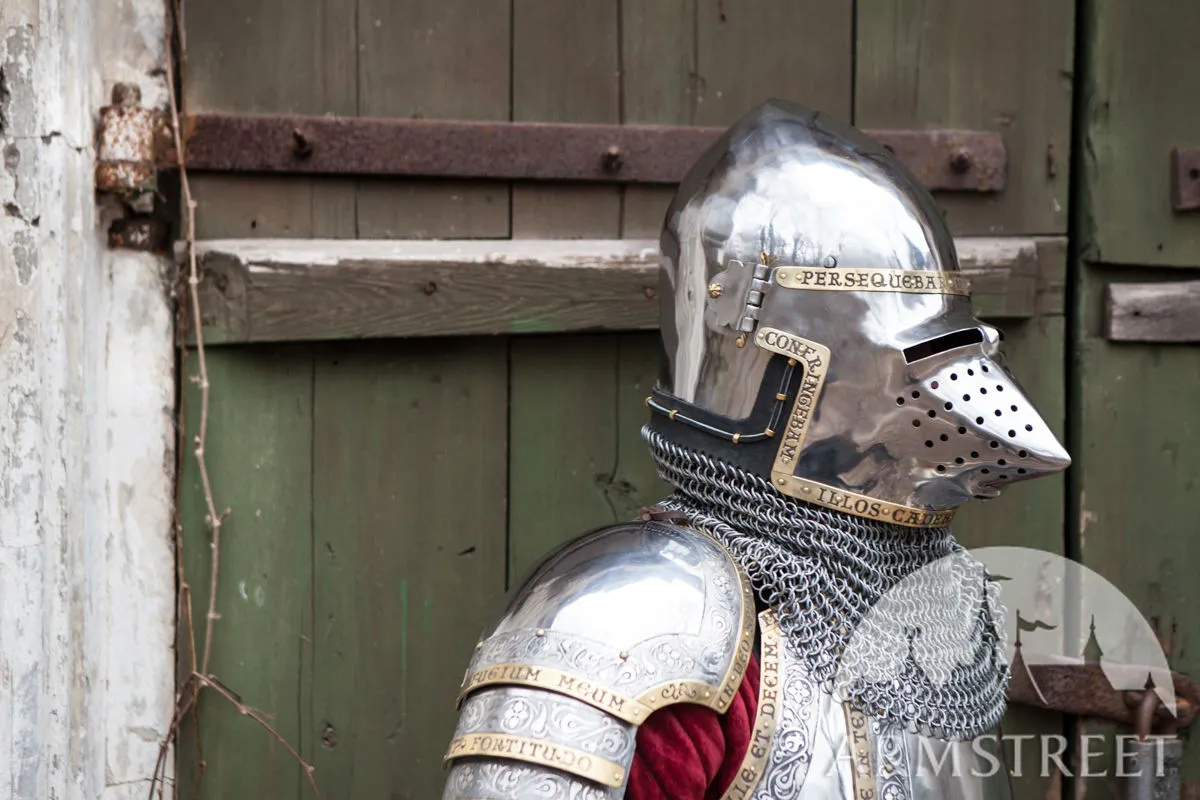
<point x="198" y="678"/>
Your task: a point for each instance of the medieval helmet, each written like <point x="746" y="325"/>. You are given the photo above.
<point x="818" y="331"/>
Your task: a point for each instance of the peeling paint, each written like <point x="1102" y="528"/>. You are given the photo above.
<point x="86" y="400"/>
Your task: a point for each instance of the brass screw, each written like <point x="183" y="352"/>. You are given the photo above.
<point x="714" y="290"/>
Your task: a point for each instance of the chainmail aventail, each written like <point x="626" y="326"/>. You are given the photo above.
<point x="900" y="622"/>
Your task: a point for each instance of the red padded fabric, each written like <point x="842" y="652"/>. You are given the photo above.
<point x="688" y="752"/>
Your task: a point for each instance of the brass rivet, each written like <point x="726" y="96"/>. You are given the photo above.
<point x="479" y="645"/>
<point x="805" y="489"/>
<point x="741" y="340"/>
<point x="783" y="274"/>
<point x="714" y="290"/>
<point x="707" y="695"/>
<point x="782" y="482"/>
<point x="623" y="655"/>
<point x="791" y="362"/>
<point x="540" y="632"/>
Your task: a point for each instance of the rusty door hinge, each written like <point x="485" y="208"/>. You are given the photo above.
<point x="132" y="143"/>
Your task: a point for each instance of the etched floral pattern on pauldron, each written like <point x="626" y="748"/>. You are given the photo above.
<point x="496" y="780"/>
<point x="541" y="715"/>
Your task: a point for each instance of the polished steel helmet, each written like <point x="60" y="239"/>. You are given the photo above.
<point x="818" y="331"/>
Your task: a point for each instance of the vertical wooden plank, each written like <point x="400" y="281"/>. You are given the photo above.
<point x="1031" y="514"/>
<point x="437" y="59"/>
<point x="563" y="389"/>
<point x="980" y="65"/>
<point x="563" y="448"/>
<point x="635" y="481"/>
<point x="748" y="52"/>
<point x="577" y="458"/>
<point x="658" y="86"/>
<point x="259" y="457"/>
<point x="565" y="69"/>
<point x="409" y="521"/>
<point x="1137" y="457"/>
<point x="1141" y="78"/>
<point x="272" y="56"/>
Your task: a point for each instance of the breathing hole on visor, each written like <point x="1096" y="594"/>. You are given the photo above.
<point x="940" y="344"/>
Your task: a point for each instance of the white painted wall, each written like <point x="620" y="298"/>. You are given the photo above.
<point x="86" y="434"/>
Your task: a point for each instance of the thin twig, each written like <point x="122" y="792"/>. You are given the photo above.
<point x="193" y="283"/>
<point x="188" y="696"/>
<point x="246" y="711"/>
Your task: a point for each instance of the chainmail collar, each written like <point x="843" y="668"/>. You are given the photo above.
<point x="897" y="621"/>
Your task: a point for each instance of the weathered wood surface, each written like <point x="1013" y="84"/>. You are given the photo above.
<point x="285" y="290"/>
<point x="263" y="55"/>
<point x="433" y="59"/>
<point x="1153" y="312"/>
<point x="259" y="455"/>
<point x="983" y="65"/>
<point x="1139" y="76"/>
<point x="408" y="547"/>
<point x="1134" y="482"/>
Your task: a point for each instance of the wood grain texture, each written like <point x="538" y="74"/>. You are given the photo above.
<point x="281" y="290"/>
<point x="658" y="86"/>
<point x="1140" y="70"/>
<point x="1153" y="312"/>
<point x="408" y="496"/>
<point x="1136" y="454"/>
<point x="563" y="452"/>
<point x="270" y="56"/>
<point x="979" y="65"/>
<point x="1031" y="514"/>
<point x="748" y="52"/>
<point x="565" y="68"/>
<point x="435" y="59"/>
<point x="577" y="460"/>
<point x="259" y="456"/>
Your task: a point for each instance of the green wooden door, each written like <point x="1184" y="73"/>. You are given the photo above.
<point x="385" y="494"/>
<point x="1134" y="413"/>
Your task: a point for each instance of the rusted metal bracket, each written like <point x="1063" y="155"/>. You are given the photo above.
<point x="132" y="142"/>
<point x="1185" y="178"/>
<point x="943" y="160"/>
<point x="1084" y="690"/>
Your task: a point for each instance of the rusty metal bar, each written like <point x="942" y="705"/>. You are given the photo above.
<point x="944" y="160"/>
<point x="1084" y="690"/>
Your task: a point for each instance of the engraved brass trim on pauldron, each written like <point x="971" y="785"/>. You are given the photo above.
<point x="852" y="279"/>
<point x="758" y="753"/>
<point x="547" y="754"/>
<point x="815" y="358"/>
<point x="624" y="708"/>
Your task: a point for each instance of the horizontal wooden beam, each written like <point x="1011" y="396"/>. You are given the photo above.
<point x="260" y="290"/>
<point x="1154" y="312"/>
